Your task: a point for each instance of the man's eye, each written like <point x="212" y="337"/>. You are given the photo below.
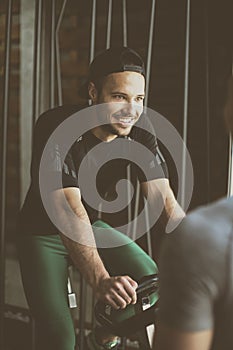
<point x="118" y="97"/>
<point x="139" y="98"/>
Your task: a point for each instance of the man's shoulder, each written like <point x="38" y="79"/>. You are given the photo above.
<point x="209" y="225"/>
<point x="58" y="114"/>
<point x="199" y="246"/>
<point x="215" y="216"/>
<point x="51" y="119"/>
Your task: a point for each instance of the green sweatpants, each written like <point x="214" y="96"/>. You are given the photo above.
<point x="44" y="262"/>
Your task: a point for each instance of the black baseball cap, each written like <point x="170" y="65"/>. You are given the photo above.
<point x="113" y="60"/>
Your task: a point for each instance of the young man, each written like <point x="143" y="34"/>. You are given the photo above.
<point x="196" y="277"/>
<point x="116" y="81"/>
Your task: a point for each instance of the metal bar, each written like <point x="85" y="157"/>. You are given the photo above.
<point x="125" y="41"/>
<point x="27" y="37"/>
<point x="93" y="319"/>
<point x="148" y="70"/>
<point x="129" y="209"/>
<point x="230" y="166"/>
<point x="230" y="169"/>
<point x="3" y="165"/>
<point x="149" y="53"/>
<point x="109" y="24"/>
<point x="37" y="62"/>
<point x="82" y="313"/>
<point x="123" y="343"/>
<point x="148" y="236"/>
<point x="52" y="56"/>
<point x="58" y="59"/>
<point x="93" y="21"/>
<point x="186" y="96"/>
<point x="137" y="198"/>
<point x="207" y="99"/>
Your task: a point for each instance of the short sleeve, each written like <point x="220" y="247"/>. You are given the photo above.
<point x="56" y="173"/>
<point x="188" y="275"/>
<point x="154" y="164"/>
<point x="69" y="175"/>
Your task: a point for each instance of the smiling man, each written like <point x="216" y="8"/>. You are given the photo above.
<point x="116" y="83"/>
<point x="127" y="88"/>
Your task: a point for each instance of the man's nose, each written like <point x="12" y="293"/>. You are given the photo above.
<point x="131" y="108"/>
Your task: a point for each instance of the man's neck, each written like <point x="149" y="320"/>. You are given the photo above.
<point x="102" y="134"/>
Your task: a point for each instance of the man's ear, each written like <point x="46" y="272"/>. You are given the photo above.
<point x="92" y="92"/>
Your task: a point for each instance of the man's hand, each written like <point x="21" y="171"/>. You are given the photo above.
<point x="118" y="291"/>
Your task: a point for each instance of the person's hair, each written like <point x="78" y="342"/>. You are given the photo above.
<point x="99" y="82"/>
<point x="112" y="60"/>
<point x="129" y="60"/>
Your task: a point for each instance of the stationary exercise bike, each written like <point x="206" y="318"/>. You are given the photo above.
<point x="145" y="314"/>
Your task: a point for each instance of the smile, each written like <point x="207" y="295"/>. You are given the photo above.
<point x="127" y="121"/>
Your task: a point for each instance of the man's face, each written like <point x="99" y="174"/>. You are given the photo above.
<point x="124" y="92"/>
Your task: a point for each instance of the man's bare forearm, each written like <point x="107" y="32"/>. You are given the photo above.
<point x="81" y="256"/>
<point x="78" y="237"/>
<point x="162" y="204"/>
<point x="173" y="213"/>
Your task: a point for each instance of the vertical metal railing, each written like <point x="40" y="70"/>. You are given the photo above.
<point x="109" y="25"/>
<point x="52" y="55"/>
<point x="149" y="52"/>
<point x="230" y="157"/>
<point x="136" y="211"/>
<point x="58" y="60"/>
<point x="5" y="109"/>
<point x="230" y="169"/>
<point x="82" y="311"/>
<point x="207" y="98"/>
<point x="93" y="29"/>
<point x="125" y="39"/>
<point x="27" y="37"/>
<point x="37" y="62"/>
<point x="186" y="97"/>
<point x="148" y="231"/>
<point x="129" y="195"/>
<point x="148" y="72"/>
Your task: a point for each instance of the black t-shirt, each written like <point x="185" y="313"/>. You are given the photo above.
<point x="84" y="168"/>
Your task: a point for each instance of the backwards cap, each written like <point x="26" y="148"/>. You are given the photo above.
<point x="113" y="60"/>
